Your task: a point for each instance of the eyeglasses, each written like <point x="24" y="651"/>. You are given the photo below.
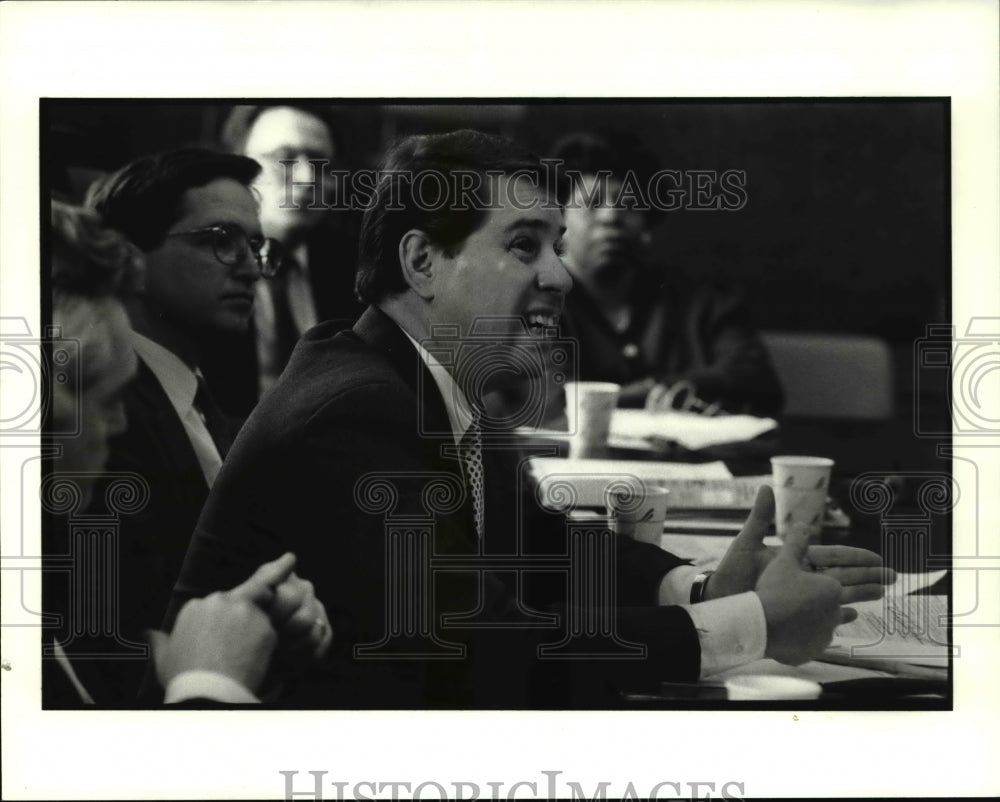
<point x="231" y="244"/>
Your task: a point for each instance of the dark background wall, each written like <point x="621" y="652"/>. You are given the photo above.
<point x="845" y="228"/>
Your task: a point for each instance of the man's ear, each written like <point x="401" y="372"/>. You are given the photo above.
<point x="416" y="258"/>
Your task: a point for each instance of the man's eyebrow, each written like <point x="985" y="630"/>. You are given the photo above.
<point x="256" y="232"/>
<point x="534" y="223"/>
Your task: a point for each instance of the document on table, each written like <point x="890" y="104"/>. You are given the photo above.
<point x="904" y="633"/>
<point x="901" y="633"/>
<point x="590" y="478"/>
<point x="693" y="432"/>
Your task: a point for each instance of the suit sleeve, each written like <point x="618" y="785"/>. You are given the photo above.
<point x="349" y="492"/>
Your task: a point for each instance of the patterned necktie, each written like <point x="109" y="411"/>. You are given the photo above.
<point x="216" y="422"/>
<point x="470" y="450"/>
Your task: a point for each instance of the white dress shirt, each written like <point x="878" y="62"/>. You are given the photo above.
<point x="731" y="631"/>
<point x="186" y="685"/>
<point x="180" y="383"/>
<point x="207" y="685"/>
<point x="455" y="403"/>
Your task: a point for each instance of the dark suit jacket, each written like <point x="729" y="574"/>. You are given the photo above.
<point x="352" y="405"/>
<point x="152" y="541"/>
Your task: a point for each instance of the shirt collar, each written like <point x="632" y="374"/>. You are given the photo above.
<point x="179" y="382"/>
<point x="455" y="403"/>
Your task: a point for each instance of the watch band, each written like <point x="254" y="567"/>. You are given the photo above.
<point x="698" y="587"/>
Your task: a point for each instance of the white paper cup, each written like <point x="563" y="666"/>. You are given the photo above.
<point x="770" y="686"/>
<point x="589" y="406"/>
<point x="638" y="511"/>
<point x="801" y="487"/>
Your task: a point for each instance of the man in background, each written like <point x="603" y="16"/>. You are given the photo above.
<point x="297" y="148"/>
<point x="194" y="218"/>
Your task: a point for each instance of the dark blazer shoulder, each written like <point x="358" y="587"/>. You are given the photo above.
<point x="155" y="440"/>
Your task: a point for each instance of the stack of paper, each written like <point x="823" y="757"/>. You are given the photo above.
<point x="902" y="633"/>
<point x="693" y="432"/>
<point x="587" y="480"/>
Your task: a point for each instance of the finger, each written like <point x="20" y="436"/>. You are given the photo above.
<point x="289" y="596"/>
<point x="759" y="520"/>
<point x="860" y="576"/>
<point x="304" y="621"/>
<point x="259" y="588"/>
<point x="324" y="645"/>
<point x="842" y="555"/>
<point x="847" y="614"/>
<point x="314" y="638"/>
<point x="157" y="641"/>
<point x="858" y="593"/>
<point x="327" y="640"/>
<point x="654" y="397"/>
<point x="157" y="645"/>
<point x="796" y="545"/>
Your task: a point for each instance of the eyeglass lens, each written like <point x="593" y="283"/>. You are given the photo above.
<point x="231" y="246"/>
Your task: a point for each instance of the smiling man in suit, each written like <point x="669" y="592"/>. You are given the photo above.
<point x="441" y="573"/>
<point x="192" y="214"/>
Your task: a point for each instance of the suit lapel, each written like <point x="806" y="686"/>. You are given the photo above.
<point x="380" y="332"/>
<point x="431" y="420"/>
<point x="149" y="407"/>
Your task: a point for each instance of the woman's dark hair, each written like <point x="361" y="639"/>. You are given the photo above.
<point x="616" y="153"/>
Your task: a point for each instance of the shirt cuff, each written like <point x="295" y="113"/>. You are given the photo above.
<point x="676" y="585"/>
<point x="207" y="685"/>
<point x="732" y="631"/>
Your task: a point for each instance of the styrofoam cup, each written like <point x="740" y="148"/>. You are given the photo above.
<point x="801" y="487"/>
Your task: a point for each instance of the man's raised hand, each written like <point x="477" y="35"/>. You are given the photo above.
<point x="802" y="607"/>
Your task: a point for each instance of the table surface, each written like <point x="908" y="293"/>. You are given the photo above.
<point x="867" y="689"/>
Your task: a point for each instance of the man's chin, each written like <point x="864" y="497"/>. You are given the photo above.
<point x="233" y="323"/>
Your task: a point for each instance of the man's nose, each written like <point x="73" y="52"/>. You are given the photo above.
<point x="302" y="172"/>
<point x="248" y="268"/>
<point x="554" y="277"/>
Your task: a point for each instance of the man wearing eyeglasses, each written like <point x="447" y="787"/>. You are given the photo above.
<point x="192" y="214"/>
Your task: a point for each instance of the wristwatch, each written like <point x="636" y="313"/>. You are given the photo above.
<point x="699" y="585"/>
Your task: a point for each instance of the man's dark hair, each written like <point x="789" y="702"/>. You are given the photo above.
<point x="142" y="200"/>
<point x="236" y="129"/>
<point x="400" y="202"/>
<point x="613" y="152"/>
